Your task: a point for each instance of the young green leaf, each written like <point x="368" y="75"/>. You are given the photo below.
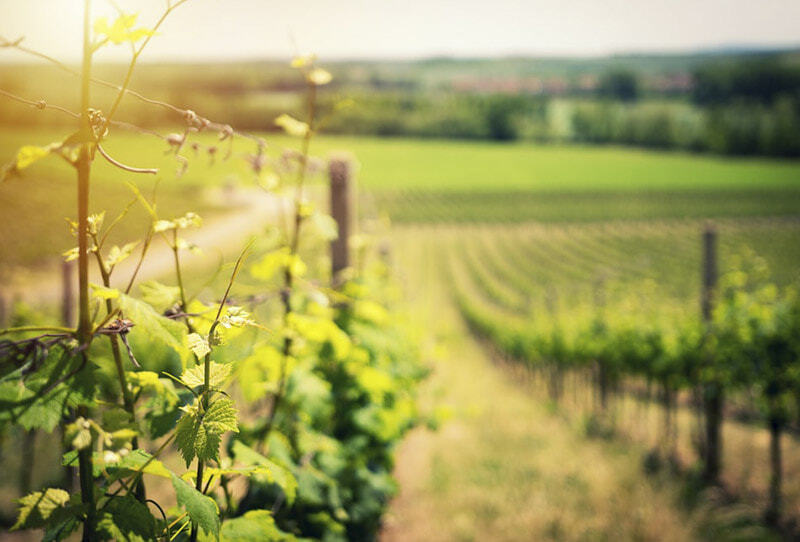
<point x="271" y="473"/>
<point x="218" y="372"/>
<point x="202" y="510"/>
<point x="198" y="345"/>
<point x="159" y="296"/>
<point x="291" y="125"/>
<point x="221" y="416"/>
<point x="117" y="254"/>
<point x="151" y="328"/>
<point x="125" y="518"/>
<point x="40" y="508"/>
<point x="103" y="293"/>
<point x="254" y="525"/>
<point x="200" y="436"/>
<point x="29" y="154"/>
<point x="121" y="30"/>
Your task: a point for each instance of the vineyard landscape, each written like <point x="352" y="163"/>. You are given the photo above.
<point x="383" y="292"/>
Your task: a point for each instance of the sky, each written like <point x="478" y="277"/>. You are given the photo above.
<point x="335" y="29"/>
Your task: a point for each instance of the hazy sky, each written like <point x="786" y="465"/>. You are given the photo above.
<point x="215" y="29"/>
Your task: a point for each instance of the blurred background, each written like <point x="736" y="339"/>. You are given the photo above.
<point x="537" y="167"/>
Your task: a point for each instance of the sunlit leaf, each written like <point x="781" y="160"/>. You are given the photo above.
<point x="117" y="255"/>
<point x="303" y="60"/>
<point x="121" y="30"/>
<point x="218" y="372"/>
<point x="29" y="154"/>
<point x="319" y="77"/>
<point x="198" y="345"/>
<point x="202" y="510"/>
<point x="40" y="507"/>
<point x="291" y="125"/>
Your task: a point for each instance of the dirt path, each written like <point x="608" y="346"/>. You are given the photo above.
<point x="507" y="467"/>
<point x="251" y="211"/>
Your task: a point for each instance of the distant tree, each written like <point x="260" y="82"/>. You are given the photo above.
<point x="754" y="80"/>
<point x="501" y="114"/>
<point x="620" y="85"/>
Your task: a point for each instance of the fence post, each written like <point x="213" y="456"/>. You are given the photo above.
<point x="712" y="389"/>
<point x="340" y="172"/>
<point x="709" y="271"/>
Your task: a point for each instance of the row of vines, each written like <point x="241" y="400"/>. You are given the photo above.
<point x="260" y="403"/>
<point x="616" y="309"/>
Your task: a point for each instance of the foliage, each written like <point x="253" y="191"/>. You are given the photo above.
<point x="163" y="370"/>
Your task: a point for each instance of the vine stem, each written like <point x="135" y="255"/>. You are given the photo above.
<point x="127" y="399"/>
<point x="207" y="368"/>
<point x="84" y="166"/>
<point x="294" y="245"/>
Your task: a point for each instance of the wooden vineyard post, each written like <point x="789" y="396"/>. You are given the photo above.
<point x="709" y="271"/>
<point x="340" y="171"/>
<point x="712" y="390"/>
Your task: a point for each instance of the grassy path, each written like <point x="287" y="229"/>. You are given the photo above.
<point x="506" y="467"/>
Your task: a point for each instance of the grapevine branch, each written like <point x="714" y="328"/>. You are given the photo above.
<point x="122" y="89"/>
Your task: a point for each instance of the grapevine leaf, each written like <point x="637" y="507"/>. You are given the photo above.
<point x="185" y="436"/>
<point x="141" y="461"/>
<point x="199" y="436"/>
<point x="117" y="255"/>
<point x="145" y="380"/>
<point x="29" y="154"/>
<point x="45" y="413"/>
<point x="276" y="261"/>
<point x="198" y="345"/>
<point x="188" y="220"/>
<point x="303" y="60"/>
<point x="96" y="222"/>
<point x="125" y="518"/>
<point x="254" y="525"/>
<point x="235" y="317"/>
<point x="159" y="296"/>
<point x="103" y="293"/>
<point x="270" y="471"/>
<point x="41" y="508"/>
<point x="291" y="125"/>
<point x="221" y="416"/>
<point x="218" y="372"/>
<point x="151" y="328"/>
<point x="206" y="445"/>
<point x="202" y="510"/>
<point x="71" y="254"/>
<point x="121" y="30"/>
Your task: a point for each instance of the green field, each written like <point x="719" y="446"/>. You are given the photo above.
<point x="437" y="165"/>
<point x="412" y="181"/>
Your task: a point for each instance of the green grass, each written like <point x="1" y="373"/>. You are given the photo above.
<point x="439" y="165"/>
<point x="411" y="180"/>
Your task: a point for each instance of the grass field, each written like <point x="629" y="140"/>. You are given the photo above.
<point x="412" y="181"/>
<point x="440" y="165"/>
